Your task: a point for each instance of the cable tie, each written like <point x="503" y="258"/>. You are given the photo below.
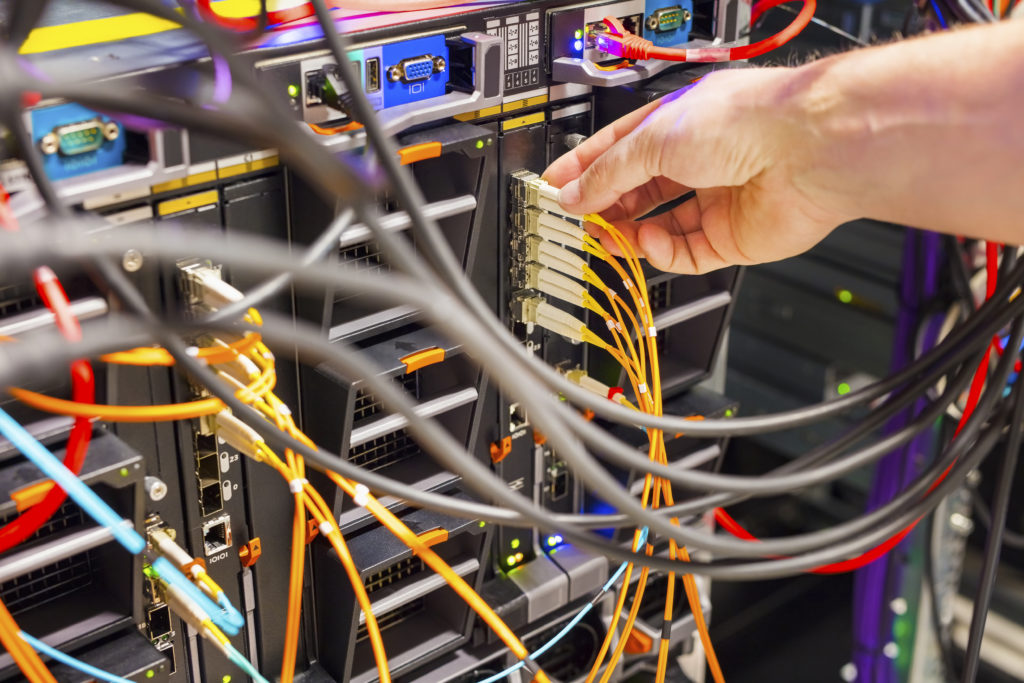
<point x="618" y="326"/>
<point x="611" y="324"/>
<point x="642" y="388"/>
<point x="652" y="331"/>
<point x="296" y="485"/>
<point x="283" y="409"/>
<point x="362" y="495"/>
<point x="326" y="527"/>
<point x="610" y="293"/>
<point x="627" y="284"/>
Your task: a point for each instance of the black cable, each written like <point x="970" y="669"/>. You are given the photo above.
<point x="959" y="274"/>
<point x="994" y="542"/>
<point x="1011" y="539"/>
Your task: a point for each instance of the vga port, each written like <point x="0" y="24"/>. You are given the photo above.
<point x="667" y="19"/>
<point x="79" y="138"/>
<point x="416" y="69"/>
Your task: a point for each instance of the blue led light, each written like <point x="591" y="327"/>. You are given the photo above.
<point x="577" y="45"/>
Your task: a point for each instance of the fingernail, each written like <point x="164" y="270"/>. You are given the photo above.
<point x="569" y="196"/>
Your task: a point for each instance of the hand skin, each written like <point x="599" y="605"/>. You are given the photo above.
<point x="927" y="132"/>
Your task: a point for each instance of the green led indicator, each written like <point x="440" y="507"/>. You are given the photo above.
<point x="482" y="524"/>
<point x="552" y="541"/>
<point x="510" y="560"/>
<point x="479" y="144"/>
<point x="150" y="673"/>
<point x="124" y="472"/>
<point x="843" y="389"/>
<point x="578" y="34"/>
<point x="514" y="543"/>
<point x="845" y="295"/>
<point x="293" y="90"/>
<point x="729" y="412"/>
<point x="226" y="678"/>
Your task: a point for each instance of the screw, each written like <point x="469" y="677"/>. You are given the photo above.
<point x="111" y="130"/>
<point x="898" y="606"/>
<point x="962" y="524"/>
<point x="49" y="144"/>
<point x="155" y="488"/>
<point x="848" y="672"/>
<point x="132" y="260"/>
<point x="439" y="65"/>
<point x="394" y="73"/>
<point x="891" y="650"/>
<point x="687" y="15"/>
<point x="652" y="22"/>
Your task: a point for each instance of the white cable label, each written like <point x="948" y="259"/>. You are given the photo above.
<point x="652" y="331"/>
<point x="296" y="485"/>
<point x="708" y="54"/>
<point x="611" y="324"/>
<point x="362" y="495"/>
<point x="627" y="284"/>
<point x="283" y="409"/>
<point x="642" y="388"/>
<point x="326" y="527"/>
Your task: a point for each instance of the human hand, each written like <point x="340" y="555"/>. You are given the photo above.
<point x="741" y="141"/>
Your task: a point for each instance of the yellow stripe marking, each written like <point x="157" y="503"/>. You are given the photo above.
<point x="510" y="124"/>
<point x="191" y="201"/>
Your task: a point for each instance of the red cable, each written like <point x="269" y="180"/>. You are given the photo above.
<point x="621" y="43"/>
<point x="83" y="389"/>
<point x="726" y="521"/>
<point x="243" y="24"/>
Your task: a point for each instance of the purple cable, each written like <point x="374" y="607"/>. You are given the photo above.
<point x="872" y="621"/>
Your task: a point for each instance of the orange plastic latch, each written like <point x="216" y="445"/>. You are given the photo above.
<point x="250" y="552"/>
<point x="414" y="153"/>
<point x="422" y="358"/>
<point x="588" y="414"/>
<point x="539" y="438"/>
<point x="196" y="562"/>
<point x="638" y="643"/>
<point x="311" y="530"/>
<point x="500" y="450"/>
<point x="26" y="497"/>
<point x="433" y="536"/>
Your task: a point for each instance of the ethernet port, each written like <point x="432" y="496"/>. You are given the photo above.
<point x="158" y="622"/>
<point x="217" y="535"/>
<point x="517" y="418"/>
<point x="168" y="652"/>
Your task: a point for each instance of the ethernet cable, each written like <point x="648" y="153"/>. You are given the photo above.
<point x="616" y="40"/>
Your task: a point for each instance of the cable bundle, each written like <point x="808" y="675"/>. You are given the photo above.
<point x="258" y="423"/>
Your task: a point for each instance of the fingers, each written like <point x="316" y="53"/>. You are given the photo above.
<point x="571" y="164"/>
<point x="644" y="199"/>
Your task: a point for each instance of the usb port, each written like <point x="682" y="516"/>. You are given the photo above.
<point x="373" y="74"/>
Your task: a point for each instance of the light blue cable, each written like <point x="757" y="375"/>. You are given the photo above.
<point x="66" y="659"/>
<point x="86" y="498"/>
<point x="244" y="664"/>
<point x="572" y="622"/>
<point x="122" y="530"/>
<point x="169" y="573"/>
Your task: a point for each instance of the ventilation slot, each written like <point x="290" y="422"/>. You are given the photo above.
<point x="393" y="618"/>
<point x="365" y="255"/>
<point x="659" y="295"/>
<point x="384" y="450"/>
<point x="49" y="583"/>
<point x="367" y="405"/>
<point x="396" y="572"/>
<point x="17" y="299"/>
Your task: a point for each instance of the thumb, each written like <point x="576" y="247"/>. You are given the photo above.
<point x="618" y="170"/>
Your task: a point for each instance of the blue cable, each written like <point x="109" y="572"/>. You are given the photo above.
<point x="66" y="659"/>
<point x="121" y="529"/>
<point x="572" y="622"/>
<point x="938" y="13"/>
<point x="225" y="621"/>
